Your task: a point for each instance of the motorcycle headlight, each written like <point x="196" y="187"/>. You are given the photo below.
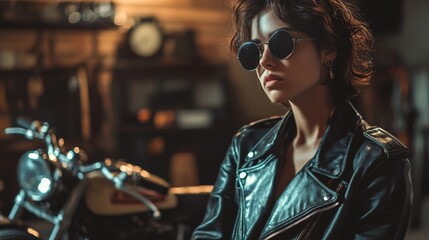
<point x="35" y="175"/>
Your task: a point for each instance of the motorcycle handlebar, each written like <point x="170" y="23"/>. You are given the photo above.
<point x="30" y="129"/>
<point x="141" y="177"/>
<point x="25" y="123"/>
<point x="19" y="131"/>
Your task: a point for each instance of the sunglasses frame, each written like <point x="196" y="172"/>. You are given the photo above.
<point x="261" y="50"/>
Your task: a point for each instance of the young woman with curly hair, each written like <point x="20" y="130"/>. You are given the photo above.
<point x="320" y="171"/>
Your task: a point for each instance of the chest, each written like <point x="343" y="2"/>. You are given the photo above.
<point x="292" y="162"/>
<point x="260" y="213"/>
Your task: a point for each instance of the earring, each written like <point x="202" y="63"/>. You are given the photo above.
<point x="330" y="70"/>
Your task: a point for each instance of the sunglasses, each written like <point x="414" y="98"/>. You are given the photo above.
<point x="281" y="46"/>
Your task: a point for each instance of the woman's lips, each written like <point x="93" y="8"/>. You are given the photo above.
<point x="271" y="80"/>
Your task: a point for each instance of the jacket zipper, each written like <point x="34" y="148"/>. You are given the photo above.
<point x="305" y="234"/>
<point x="309" y="228"/>
<point x="301" y="220"/>
<point x="241" y="209"/>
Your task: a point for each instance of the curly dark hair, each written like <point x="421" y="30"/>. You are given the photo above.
<point x="334" y="23"/>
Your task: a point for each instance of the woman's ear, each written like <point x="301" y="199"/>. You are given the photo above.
<point x="329" y="55"/>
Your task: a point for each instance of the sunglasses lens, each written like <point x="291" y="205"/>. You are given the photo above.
<point x="281" y="44"/>
<point x="248" y="55"/>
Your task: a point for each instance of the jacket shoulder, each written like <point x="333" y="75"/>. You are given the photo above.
<point x="261" y="124"/>
<point x="390" y="144"/>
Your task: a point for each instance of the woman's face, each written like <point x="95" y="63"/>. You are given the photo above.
<point x="286" y="79"/>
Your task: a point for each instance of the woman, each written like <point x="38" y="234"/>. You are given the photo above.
<point x="319" y="172"/>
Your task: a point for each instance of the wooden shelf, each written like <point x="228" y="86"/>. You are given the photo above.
<point x="26" y="25"/>
<point x="137" y="129"/>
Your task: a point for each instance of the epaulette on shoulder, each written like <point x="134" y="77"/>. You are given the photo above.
<point x="390" y="144"/>
<point x="262" y="123"/>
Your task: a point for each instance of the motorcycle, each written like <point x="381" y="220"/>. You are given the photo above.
<point x="108" y="199"/>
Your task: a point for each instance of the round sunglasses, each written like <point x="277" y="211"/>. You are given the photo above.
<point x="281" y="46"/>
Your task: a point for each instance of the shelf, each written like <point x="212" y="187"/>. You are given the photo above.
<point x="15" y="25"/>
<point x="32" y="70"/>
<point x="24" y="73"/>
<point x="136" y="129"/>
<point x="125" y="71"/>
<point x="130" y="65"/>
<point x="159" y="63"/>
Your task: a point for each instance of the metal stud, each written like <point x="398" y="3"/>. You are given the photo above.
<point x="326" y="198"/>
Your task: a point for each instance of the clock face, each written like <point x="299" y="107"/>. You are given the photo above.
<point x="146" y="39"/>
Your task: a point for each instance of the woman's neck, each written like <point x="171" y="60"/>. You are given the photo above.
<point x="311" y="116"/>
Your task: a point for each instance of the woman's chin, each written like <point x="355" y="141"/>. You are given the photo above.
<point x="278" y="99"/>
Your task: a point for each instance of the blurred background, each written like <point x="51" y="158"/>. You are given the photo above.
<point x="153" y="81"/>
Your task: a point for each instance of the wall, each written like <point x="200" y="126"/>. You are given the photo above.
<point x="209" y="18"/>
<point x="411" y="41"/>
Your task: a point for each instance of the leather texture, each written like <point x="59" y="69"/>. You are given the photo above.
<point x="357" y="186"/>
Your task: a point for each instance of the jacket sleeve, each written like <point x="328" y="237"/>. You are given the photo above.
<point x="385" y="201"/>
<point x="221" y="208"/>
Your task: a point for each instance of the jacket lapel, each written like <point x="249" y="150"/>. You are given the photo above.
<point x="269" y="142"/>
<point x="306" y="193"/>
<point x="336" y="143"/>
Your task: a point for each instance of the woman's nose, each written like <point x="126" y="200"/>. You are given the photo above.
<point x="267" y="60"/>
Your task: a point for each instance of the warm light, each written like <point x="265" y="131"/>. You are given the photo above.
<point x="125" y="168"/>
<point x="164" y="119"/>
<point x="76" y="150"/>
<point x="137" y="169"/>
<point x="61" y="142"/>
<point x="44" y="185"/>
<point x="145" y="173"/>
<point x="108" y="162"/>
<point x="202" y="189"/>
<point x="144" y="115"/>
<point x="120" y="18"/>
<point x="33" y="232"/>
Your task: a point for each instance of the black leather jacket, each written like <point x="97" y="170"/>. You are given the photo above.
<point x="357" y="186"/>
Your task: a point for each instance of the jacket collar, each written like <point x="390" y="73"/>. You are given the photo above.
<point x="329" y="159"/>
